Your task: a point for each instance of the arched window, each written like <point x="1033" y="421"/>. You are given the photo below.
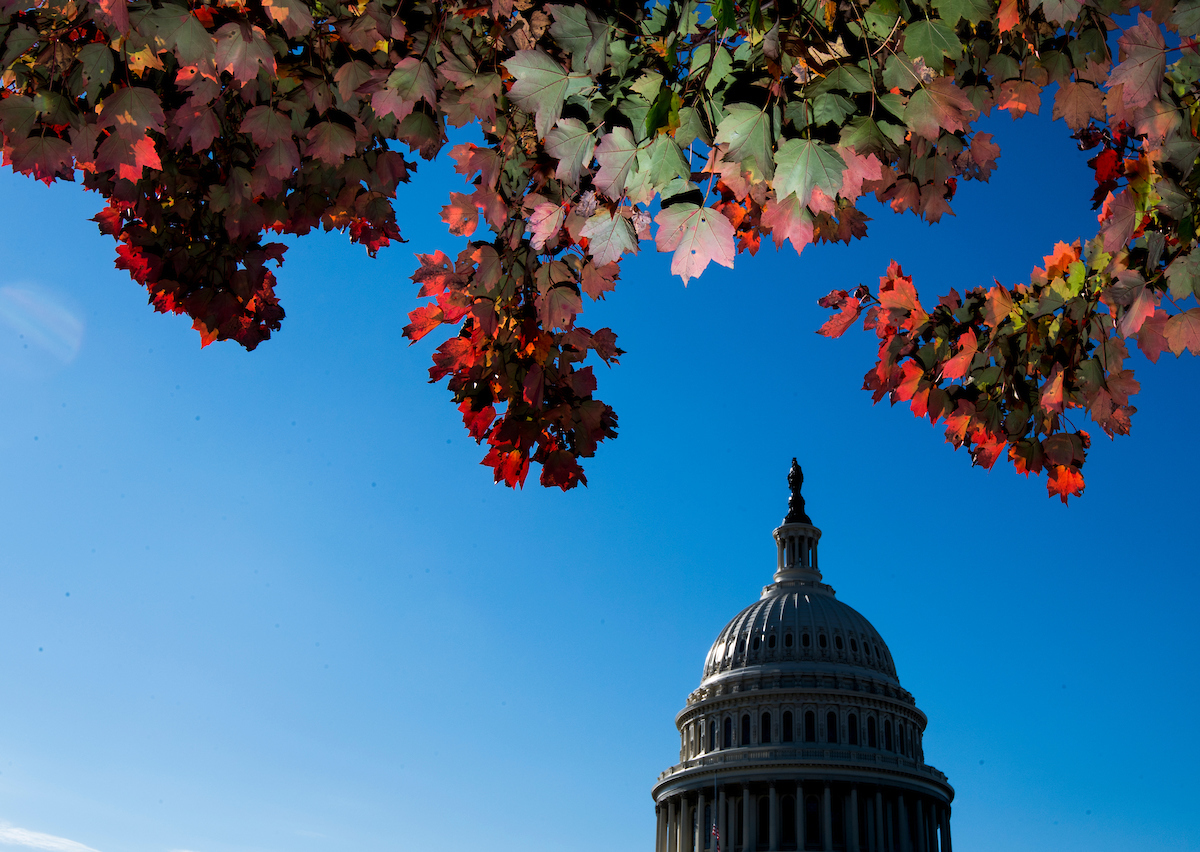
<point x="805" y="640"/>
<point x="810" y="727"/>
<point x="787" y="726"/>
<point x="823" y="641"/>
<point x="854" y="645"/>
<point x="764" y="731"/>
<point x="887" y="735"/>
<point x="787" y="822"/>
<point x="837" y="642"/>
<point x="762" y="831"/>
<point x="712" y="736"/>
<point x="746" y="729"/>
<point x="757" y="641"/>
<point x="787" y="640"/>
<point x="852" y="729"/>
<point x="812" y="821"/>
<point x="871" y="739"/>
<point x="831" y="727"/>
<point x="727" y="734"/>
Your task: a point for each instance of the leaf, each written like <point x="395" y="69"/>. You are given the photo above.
<point x="572" y="144"/>
<point x="1184" y="274"/>
<point x="1078" y="104"/>
<point x="937" y="108"/>
<point x="115" y="13"/>
<point x="411" y="81"/>
<point x="1064" y="482"/>
<point x="542" y="87"/>
<point x="849" y="308"/>
<point x="1140" y="73"/>
<point x="972" y="11"/>
<point x="558" y="307"/>
<point x="44" y="157"/>
<point x="266" y="126"/>
<point x="609" y="237"/>
<point x="788" y="220"/>
<point x="1145" y="300"/>
<point x="747" y="131"/>
<point x="176" y="29"/>
<point x="330" y="143"/>
<point x="958" y="366"/>
<point x="127" y="160"/>
<point x="544" y="223"/>
<point x="598" y="280"/>
<point x="242" y="49"/>
<point x="661" y="162"/>
<point x="293" y="15"/>
<point x="131" y="112"/>
<point x="615" y="154"/>
<point x="805" y="164"/>
<point x="461" y="214"/>
<point x="697" y="235"/>
<point x="1060" y="12"/>
<point x="1019" y="97"/>
<point x="1183" y="332"/>
<point x="932" y="41"/>
<point x="1121" y="220"/>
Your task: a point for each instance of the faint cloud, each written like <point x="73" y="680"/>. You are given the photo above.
<point x="40" y="330"/>
<point x="10" y="835"/>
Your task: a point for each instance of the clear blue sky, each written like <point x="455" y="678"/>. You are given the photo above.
<point x="271" y="601"/>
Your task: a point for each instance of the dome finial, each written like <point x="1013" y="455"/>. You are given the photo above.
<point x="796" y="513"/>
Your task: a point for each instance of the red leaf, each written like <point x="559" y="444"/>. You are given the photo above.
<point x="1065" y="482"/>
<point x="1051" y="397"/>
<point x="1009" y="15"/>
<point x="478" y="423"/>
<point x="330" y="143"/>
<point x="461" y="214"/>
<point x="849" y="311"/>
<point x="421" y="321"/>
<point x="598" y="280"/>
<point x="960" y="364"/>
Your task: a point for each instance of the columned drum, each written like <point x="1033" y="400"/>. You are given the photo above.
<point x="800" y="736"/>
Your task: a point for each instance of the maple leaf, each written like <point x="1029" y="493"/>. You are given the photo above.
<point x="131" y="112"/>
<point x="330" y="143"/>
<point x="1183" y="332"/>
<point x="572" y="144"/>
<point x="1120" y="219"/>
<point x="461" y="214"/>
<point x="1151" y="337"/>
<point x="598" y="280"/>
<point x="804" y="164"/>
<point x="616" y="155"/>
<point x="1050" y="396"/>
<point x="115" y="13"/>
<point x="1140" y="73"/>
<point x="849" y="308"/>
<point x="609" y="237"/>
<point x="241" y="49"/>
<point x="697" y="235"/>
<point x="44" y="157"/>
<point x="266" y="126"/>
<point x="747" y="131"/>
<point x="932" y="40"/>
<point x="127" y="160"/>
<point x="1078" y="104"/>
<point x="1064" y="482"/>
<point x="543" y="86"/>
<point x="1008" y="16"/>
<point x="293" y="15"/>
<point x="858" y="169"/>
<point x="939" y="107"/>
<point x="544" y="223"/>
<point x="958" y="366"/>
<point x="1019" y="97"/>
<point x="558" y="306"/>
<point x="1141" y="307"/>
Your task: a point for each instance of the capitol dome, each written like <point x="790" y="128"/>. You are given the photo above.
<point x="799" y="736"/>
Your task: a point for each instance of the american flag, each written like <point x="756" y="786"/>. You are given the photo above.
<point x="716" y="834"/>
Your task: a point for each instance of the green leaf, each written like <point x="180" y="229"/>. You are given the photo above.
<point x="972" y="11"/>
<point x="691" y="128"/>
<point x="1184" y="274"/>
<point x="747" y="132"/>
<point x="578" y="30"/>
<point x="831" y="109"/>
<point x="1187" y="17"/>
<point x="542" y="87"/>
<point x="846" y="78"/>
<point x="881" y="18"/>
<point x="805" y="164"/>
<point x="608" y="237"/>
<point x="572" y="144"/>
<point x="664" y="112"/>
<point x="723" y="15"/>
<point x="616" y="154"/>
<point x="661" y="162"/>
<point x="867" y="136"/>
<point x="932" y="40"/>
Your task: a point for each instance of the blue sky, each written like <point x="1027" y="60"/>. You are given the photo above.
<point x="271" y="601"/>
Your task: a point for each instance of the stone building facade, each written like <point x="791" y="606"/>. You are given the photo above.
<point x="800" y="736"/>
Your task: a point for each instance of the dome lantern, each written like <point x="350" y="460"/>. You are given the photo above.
<point x="796" y="538"/>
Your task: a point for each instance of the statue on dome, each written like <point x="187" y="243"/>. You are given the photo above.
<point x="796" y="513"/>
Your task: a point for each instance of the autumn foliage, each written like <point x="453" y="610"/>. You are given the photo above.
<point x="703" y="127"/>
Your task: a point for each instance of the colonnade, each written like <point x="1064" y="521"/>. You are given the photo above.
<point x="828" y="816"/>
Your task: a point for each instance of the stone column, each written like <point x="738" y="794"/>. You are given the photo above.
<point x="905" y="839"/>
<point x="879" y="841"/>
<point x="773" y="837"/>
<point x="800" y="813"/>
<point x="827" y="820"/>
<point x="852" y="839"/>
<point x="722" y="823"/>
<point x="747" y="825"/>
<point x="660" y="845"/>
<point x="701" y="829"/>
<point x="922" y="846"/>
<point x="685" y="826"/>
<point x="672" y="825"/>
<point x="945" y="822"/>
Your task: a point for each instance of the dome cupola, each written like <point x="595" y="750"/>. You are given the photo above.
<point x="799" y="736"/>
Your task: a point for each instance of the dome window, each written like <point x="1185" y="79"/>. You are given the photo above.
<point x="741" y="645"/>
<point x="771" y="641"/>
<point x="854" y="645"/>
<point x="787" y="640"/>
<point x="746" y="729"/>
<point x="866" y="649"/>
<point x="837" y="641"/>
<point x="810" y="726"/>
<point x="822" y="640"/>
<point x="787" y="726"/>
<point x="727" y="733"/>
<point x="757" y="642"/>
<point x="887" y="735"/>
<point x="852" y="729"/>
<point x="831" y="727"/>
<point x="764" y="730"/>
<point x="805" y="640"/>
<point x="876" y="650"/>
<point x="872" y="740"/>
